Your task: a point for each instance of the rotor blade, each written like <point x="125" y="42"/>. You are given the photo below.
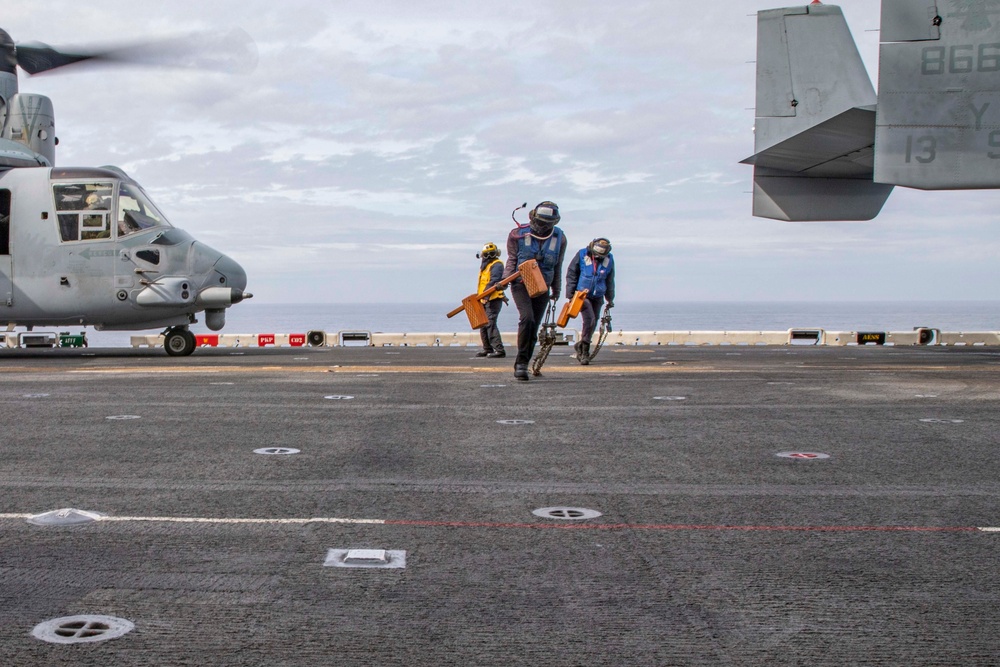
<point x="35" y="58"/>
<point x="233" y="52"/>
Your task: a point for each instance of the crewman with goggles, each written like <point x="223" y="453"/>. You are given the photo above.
<point x="490" y="272"/>
<point x="594" y="271"/>
<point x="540" y="240"/>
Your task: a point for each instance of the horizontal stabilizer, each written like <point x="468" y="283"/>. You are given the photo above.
<point x="814" y="136"/>
<point x="841" y="147"/>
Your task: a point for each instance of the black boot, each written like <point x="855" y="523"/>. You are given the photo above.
<point x="521" y="372"/>
<point x="584" y="357"/>
<point x="484" y="353"/>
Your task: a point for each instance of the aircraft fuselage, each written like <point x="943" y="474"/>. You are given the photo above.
<point x="86" y="246"/>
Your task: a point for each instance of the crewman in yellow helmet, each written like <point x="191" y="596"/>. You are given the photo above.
<point x="490" y="272"/>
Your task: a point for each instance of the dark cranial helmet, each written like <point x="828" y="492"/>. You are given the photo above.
<point x="599" y="248"/>
<point x="490" y="251"/>
<point x="543" y="218"/>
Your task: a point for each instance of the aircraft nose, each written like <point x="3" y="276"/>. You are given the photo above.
<point x="234" y="274"/>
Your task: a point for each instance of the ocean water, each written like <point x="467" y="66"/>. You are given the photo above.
<point x="255" y="317"/>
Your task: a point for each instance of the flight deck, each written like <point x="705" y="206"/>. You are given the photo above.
<point x="673" y="505"/>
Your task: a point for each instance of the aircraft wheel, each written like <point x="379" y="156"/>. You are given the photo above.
<point x="179" y="342"/>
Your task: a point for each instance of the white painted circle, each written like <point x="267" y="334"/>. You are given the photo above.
<point x="123" y="417"/>
<point x="934" y="420"/>
<point x="81" y="629"/>
<point x="670" y="398"/>
<point x="514" y="422"/>
<point x="36" y="395"/>
<point x="803" y="456"/>
<point x="337" y="397"/>
<point x="67" y="516"/>
<point x="492" y="386"/>
<point x="221" y="384"/>
<point x="276" y="451"/>
<point x="566" y="513"/>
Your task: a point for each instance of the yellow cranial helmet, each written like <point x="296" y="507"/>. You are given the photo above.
<point x="490" y="251"/>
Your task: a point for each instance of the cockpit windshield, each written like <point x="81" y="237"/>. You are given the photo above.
<point x="136" y="212"/>
<point x="86" y="210"/>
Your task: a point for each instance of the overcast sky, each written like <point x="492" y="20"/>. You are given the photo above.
<point x="378" y="145"/>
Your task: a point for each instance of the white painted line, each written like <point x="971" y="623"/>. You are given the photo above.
<point x="218" y="520"/>
<point x="337" y="520"/>
<point x="181" y="519"/>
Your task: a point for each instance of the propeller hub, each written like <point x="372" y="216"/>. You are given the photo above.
<point x="8" y="54"/>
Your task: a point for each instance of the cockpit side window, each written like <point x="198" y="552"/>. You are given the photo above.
<point x="136" y="212"/>
<point x="84" y="210"/>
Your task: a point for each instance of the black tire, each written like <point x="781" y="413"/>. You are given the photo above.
<point x="179" y="342"/>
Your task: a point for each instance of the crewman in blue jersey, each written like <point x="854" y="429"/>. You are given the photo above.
<point x="540" y="240"/>
<point x="490" y="272"/>
<point x="593" y="270"/>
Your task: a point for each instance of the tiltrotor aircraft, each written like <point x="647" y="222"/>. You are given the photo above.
<point x="827" y="147"/>
<point x="85" y="245"/>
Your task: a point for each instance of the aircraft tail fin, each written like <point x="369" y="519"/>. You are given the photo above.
<point x="939" y="94"/>
<point x="815" y="120"/>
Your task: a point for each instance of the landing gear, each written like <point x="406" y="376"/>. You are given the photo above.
<point x="179" y="342"/>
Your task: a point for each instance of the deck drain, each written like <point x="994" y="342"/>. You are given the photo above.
<point x="276" y="450"/>
<point x="805" y="456"/>
<point x="65" y="517"/>
<point x="368" y="558"/>
<point x="337" y="397"/>
<point x="566" y="513"/>
<point x="82" y="629"/>
<point x="943" y="421"/>
<point x="513" y="422"/>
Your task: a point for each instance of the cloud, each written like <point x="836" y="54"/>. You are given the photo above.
<point x="394" y="137"/>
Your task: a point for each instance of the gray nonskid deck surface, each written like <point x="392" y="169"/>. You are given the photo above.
<point x="711" y="549"/>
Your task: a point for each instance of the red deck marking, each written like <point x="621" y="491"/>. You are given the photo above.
<point x="681" y="526"/>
